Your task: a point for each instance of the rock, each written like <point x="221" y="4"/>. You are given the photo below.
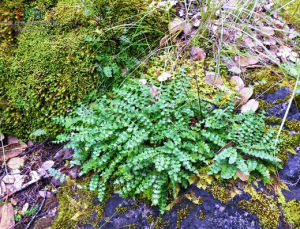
<point x="281" y="93"/>
<point x="16" y="162"/>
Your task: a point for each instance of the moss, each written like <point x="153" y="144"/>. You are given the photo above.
<point x="289" y="141"/>
<point x="220" y="193"/>
<point x="284" y="157"/>
<point x="201" y="215"/>
<point x="121" y="210"/>
<point x="160" y="223"/>
<point x="75" y="205"/>
<point x="182" y="214"/>
<point x="291" y="12"/>
<point x="291" y="213"/>
<point x="150" y="219"/>
<point x="131" y="226"/>
<point x="265" y="208"/>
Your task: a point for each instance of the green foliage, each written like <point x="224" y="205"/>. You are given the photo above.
<point x="57" y="175"/>
<point x="146" y="142"/>
<point x="143" y="139"/>
<point x="251" y="148"/>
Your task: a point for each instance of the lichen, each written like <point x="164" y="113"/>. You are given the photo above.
<point x="265" y="208"/>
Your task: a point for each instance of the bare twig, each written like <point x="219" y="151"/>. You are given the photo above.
<point x="37" y="212"/>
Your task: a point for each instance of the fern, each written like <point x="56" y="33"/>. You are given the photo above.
<point x="145" y="143"/>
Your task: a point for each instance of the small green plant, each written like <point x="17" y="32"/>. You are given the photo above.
<point x="57" y="175"/>
<point x="148" y="139"/>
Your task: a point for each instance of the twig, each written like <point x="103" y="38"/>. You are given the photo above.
<point x="37" y="212"/>
<point x="4" y="159"/>
<point x="23" y="187"/>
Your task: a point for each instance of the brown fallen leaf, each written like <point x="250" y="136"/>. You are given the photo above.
<point x="245" y="94"/>
<point x="252" y="104"/>
<point x="163" y="41"/>
<point x="16" y="162"/>
<point x="237" y="82"/>
<point x="197" y="54"/>
<point x="214" y="79"/>
<point x="2" y="188"/>
<point x="154" y="91"/>
<point x="267" y="30"/>
<point x="234" y="191"/>
<point x="12" y="139"/>
<point x="187" y="29"/>
<point x="13" y="150"/>
<point x="176" y="25"/>
<point x="245" y="61"/>
<point x="9" y="179"/>
<point x="241" y="175"/>
<point x="7" y="216"/>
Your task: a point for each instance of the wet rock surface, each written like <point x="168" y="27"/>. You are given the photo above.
<point x="210" y="214"/>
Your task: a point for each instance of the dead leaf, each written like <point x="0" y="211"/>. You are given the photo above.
<point x="252" y="104"/>
<point x="267" y="30"/>
<point x="163" y="41"/>
<point x="153" y="90"/>
<point x="34" y="175"/>
<point x="197" y="53"/>
<point x="214" y="79"/>
<point x="245" y="94"/>
<point x="164" y="76"/>
<point x="47" y="165"/>
<point x="238" y="82"/>
<point x="247" y="41"/>
<point x="9" y="179"/>
<point x="234" y="191"/>
<point x="245" y="61"/>
<point x="13" y="201"/>
<point x="143" y="81"/>
<point x="12" y="140"/>
<point x="192" y="197"/>
<point x="25" y="207"/>
<point x="2" y="188"/>
<point x="176" y="25"/>
<point x="16" y="162"/>
<point x="187" y="29"/>
<point x="13" y="150"/>
<point x="242" y="176"/>
<point x="7" y="216"/>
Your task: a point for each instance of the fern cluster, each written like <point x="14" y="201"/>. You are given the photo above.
<point x="149" y="139"/>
